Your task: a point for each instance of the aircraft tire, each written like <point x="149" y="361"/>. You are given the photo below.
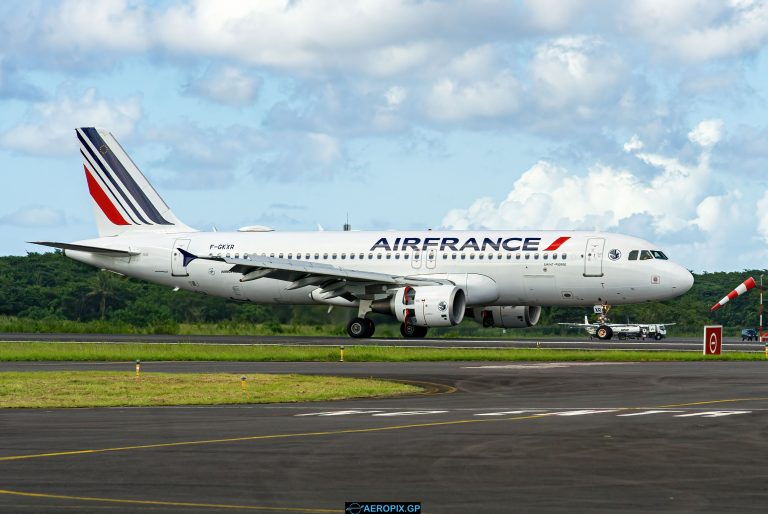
<point x="359" y="328"/>
<point x="371" y="327"/>
<point x="410" y="331"/>
<point x="604" y="332"/>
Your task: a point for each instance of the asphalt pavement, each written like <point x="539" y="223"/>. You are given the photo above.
<point x="490" y="437"/>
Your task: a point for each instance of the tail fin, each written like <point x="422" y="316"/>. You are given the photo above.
<point x="124" y="200"/>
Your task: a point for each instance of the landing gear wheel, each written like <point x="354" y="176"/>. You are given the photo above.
<point x="360" y="327"/>
<point x="371" y="327"/>
<point x="604" y="332"/>
<point x="412" y="331"/>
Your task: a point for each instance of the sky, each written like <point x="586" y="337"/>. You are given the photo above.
<point x="643" y="117"/>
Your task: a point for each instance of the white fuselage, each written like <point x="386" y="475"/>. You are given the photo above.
<point x="494" y="267"/>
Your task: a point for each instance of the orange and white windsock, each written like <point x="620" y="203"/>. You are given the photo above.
<point x="743" y="288"/>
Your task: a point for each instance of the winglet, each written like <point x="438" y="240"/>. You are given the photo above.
<point x="188" y="257"/>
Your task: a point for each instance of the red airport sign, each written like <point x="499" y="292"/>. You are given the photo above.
<point x="713" y="339"/>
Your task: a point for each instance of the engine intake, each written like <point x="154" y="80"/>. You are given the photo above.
<point x="425" y="306"/>
<point x="508" y="316"/>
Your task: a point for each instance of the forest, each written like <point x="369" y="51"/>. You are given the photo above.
<point x="47" y="292"/>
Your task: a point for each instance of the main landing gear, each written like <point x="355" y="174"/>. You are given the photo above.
<point x="360" y="328"/>
<point x="410" y="331"/>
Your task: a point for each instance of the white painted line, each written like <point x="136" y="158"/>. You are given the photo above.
<point x="411" y="413"/>
<point x="714" y="413"/>
<point x="646" y="412"/>
<point x="339" y="413"/>
<point x="582" y="412"/>
<point x="505" y="413"/>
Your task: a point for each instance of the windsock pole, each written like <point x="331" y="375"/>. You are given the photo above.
<point x="743" y="288"/>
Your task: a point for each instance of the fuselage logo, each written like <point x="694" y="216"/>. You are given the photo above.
<point x="475" y="244"/>
<point x="614" y="254"/>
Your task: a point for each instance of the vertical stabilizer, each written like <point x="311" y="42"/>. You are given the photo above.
<point x="124" y="200"/>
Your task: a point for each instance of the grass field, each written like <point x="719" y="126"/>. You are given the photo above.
<point x="194" y="352"/>
<point x="43" y="389"/>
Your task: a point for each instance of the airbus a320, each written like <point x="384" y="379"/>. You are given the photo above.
<point x="422" y="278"/>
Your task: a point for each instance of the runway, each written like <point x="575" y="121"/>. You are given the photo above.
<point x="495" y="437"/>
<point x="575" y="343"/>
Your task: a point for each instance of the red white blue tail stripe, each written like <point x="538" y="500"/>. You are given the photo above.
<point x="116" y="184"/>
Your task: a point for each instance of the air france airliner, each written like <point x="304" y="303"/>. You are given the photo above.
<point x="422" y="278"/>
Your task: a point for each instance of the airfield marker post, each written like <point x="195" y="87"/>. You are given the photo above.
<point x="138" y="369"/>
<point x="242" y="383"/>
<point x="341" y="353"/>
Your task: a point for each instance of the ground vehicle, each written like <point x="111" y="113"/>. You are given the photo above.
<point x="749" y="334"/>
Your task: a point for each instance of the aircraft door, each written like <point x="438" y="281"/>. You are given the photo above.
<point x="416" y="259"/>
<point x="593" y="257"/>
<point x="177" y="260"/>
<point x="431" y="258"/>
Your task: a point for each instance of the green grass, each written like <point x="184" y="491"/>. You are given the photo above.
<point x="122" y="389"/>
<point x="259" y="353"/>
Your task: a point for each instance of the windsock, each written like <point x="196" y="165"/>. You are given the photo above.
<point x="743" y="288"/>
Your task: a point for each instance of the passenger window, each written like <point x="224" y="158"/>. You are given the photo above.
<point x="272" y="255"/>
<point x="397" y="256"/>
<point x="389" y="256"/>
<point x="536" y="256"/>
<point x="445" y="256"/>
<point x="306" y="256"/>
<point x="334" y="256"/>
<point x="453" y="256"/>
<point x="645" y="255"/>
<point x="517" y="256"/>
<point x="325" y="256"/>
<point x="563" y="256"/>
<point x="343" y="255"/>
<point x="490" y="256"/>
<point x="361" y="256"/>
<point x="298" y="256"/>
<point x="290" y="256"/>
<point x="527" y="256"/>
<point x="481" y="256"/>
<point x="351" y="255"/>
<point x="633" y="255"/>
<point x="546" y="256"/>
<point x="471" y="256"/>
<point x="378" y="256"/>
<point x="415" y="256"/>
<point x="370" y="256"/>
<point x="463" y="256"/>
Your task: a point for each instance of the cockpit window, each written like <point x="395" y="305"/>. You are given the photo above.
<point x="633" y="255"/>
<point x="645" y="255"/>
<point x="659" y="255"/>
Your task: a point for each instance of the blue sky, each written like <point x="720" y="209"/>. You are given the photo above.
<point x="642" y="117"/>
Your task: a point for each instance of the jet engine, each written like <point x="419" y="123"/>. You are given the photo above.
<point x="508" y="316"/>
<point x="425" y="306"/>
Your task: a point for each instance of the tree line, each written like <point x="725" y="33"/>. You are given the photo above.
<point x="49" y="286"/>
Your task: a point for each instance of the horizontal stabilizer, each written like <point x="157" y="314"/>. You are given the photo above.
<point x="90" y="249"/>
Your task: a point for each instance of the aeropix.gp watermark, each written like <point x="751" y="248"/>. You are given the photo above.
<point x="382" y="507"/>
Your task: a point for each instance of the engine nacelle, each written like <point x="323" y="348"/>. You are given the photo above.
<point x="428" y="306"/>
<point x="508" y="316"/>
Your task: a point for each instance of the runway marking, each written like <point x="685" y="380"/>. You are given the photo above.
<point x="338" y="413"/>
<point x="544" y="365"/>
<point x="710" y="402"/>
<point x="506" y="413"/>
<point x="163" y="503"/>
<point x="411" y="412"/>
<point x="714" y="413"/>
<point x="583" y="412"/>
<point x="647" y="412"/>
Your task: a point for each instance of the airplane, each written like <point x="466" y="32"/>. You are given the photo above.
<point x="423" y="279"/>
<point x="603" y="329"/>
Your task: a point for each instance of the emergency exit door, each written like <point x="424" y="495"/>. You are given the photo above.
<point x="593" y="257"/>
<point x="177" y="260"/>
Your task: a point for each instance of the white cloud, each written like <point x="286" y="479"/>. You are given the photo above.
<point x="34" y="216"/>
<point x="699" y="30"/>
<point x="575" y="71"/>
<point x="452" y="101"/>
<point x="554" y="14"/>
<point x="633" y="144"/>
<point x="227" y="85"/>
<point x="96" y="27"/>
<point x="707" y="133"/>
<point x="48" y="127"/>
<point x="550" y="197"/>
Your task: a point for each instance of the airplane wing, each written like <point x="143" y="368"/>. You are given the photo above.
<point x="333" y="280"/>
<point x="90" y="249"/>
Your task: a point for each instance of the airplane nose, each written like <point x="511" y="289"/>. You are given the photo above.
<point x="682" y="280"/>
